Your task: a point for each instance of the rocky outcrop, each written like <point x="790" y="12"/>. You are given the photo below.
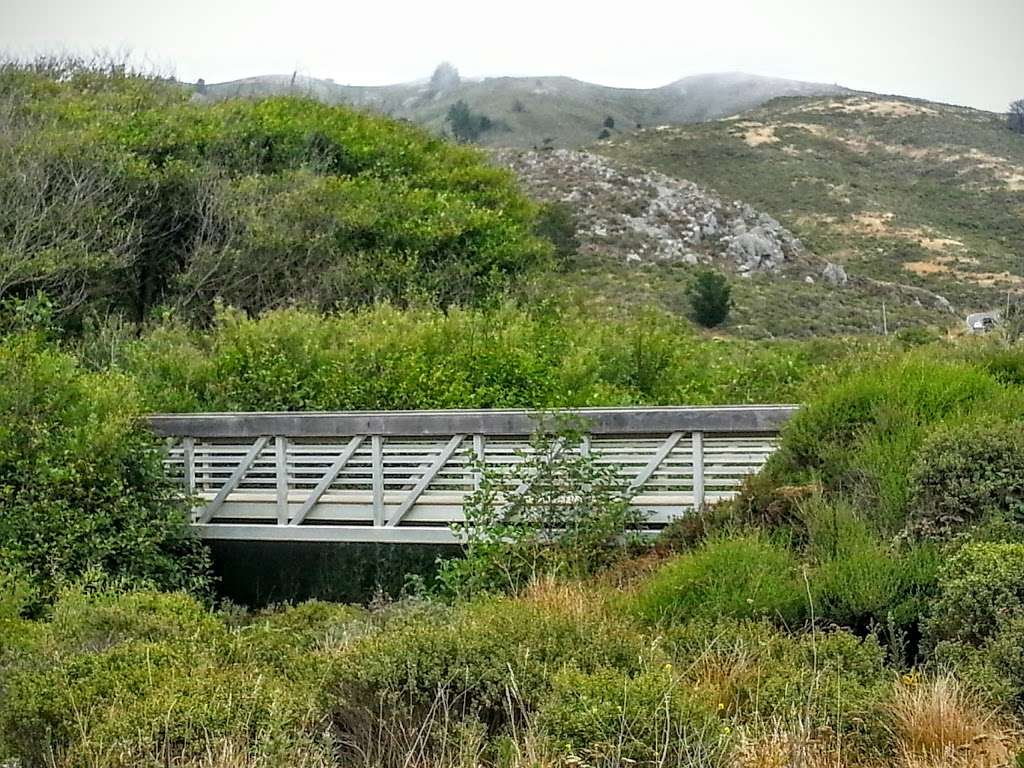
<point x="643" y="216"/>
<point x="834" y="274"/>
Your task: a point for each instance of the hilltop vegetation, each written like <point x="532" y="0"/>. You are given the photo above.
<point x="895" y="190"/>
<point x="118" y="194"/>
<point x="537" y="111"/>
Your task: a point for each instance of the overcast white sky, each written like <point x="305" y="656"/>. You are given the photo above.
<point x="948" y="50"/>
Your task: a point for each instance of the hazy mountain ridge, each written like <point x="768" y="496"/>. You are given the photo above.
<point x="529" y="111"/>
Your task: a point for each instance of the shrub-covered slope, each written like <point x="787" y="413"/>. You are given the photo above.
<point x="118" y="192"/>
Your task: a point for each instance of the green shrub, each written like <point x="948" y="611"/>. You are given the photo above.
<point x="478" y="655"/>
<point x="860" y="435"/>
<point x="863" y="583"/>
<point x="386" y="358"/>
<point x="555" y="513"/>
<point x="82" y="483"/>
<point x="740" y="576"/>
<point x="146" y="678"/>
<point x="607" y="717"/>
<point x="966" y="473"/>
<point x="150" y="198"/>
<point x="980" y="589"/>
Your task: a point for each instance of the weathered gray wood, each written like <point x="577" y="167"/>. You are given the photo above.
<point x="597" y="421"/>
<point x="188" y="456"/>
<point x="281" y="476"/>
<point x="328" y="533"/>
<point x="232" y="481"/>
<point x="424" y="481"/>
<point x="480" y="454"/>
<point x="327" y="479"/>
<point x="698" y="470"/>
<point x="652" y="466"/>
<point x="377" y="479"/>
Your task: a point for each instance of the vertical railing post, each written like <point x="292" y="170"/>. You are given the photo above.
<point x="188" y="445"/>
<point x="480" y="451"/>
<point x="698" y="470"/>
<point x="281" y="475"/>
<point x="188" y="455"/>
<point x="377" y="475"/>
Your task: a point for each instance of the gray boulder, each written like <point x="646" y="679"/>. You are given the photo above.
<point x="835" y="274"/>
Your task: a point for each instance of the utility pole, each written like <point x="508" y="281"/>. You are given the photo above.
<point x="885" y="321"/>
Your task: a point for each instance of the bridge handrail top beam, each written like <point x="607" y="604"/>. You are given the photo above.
<point x="505" y="422"/>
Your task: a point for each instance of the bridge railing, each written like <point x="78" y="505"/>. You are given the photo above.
<point x="404" y="476"/>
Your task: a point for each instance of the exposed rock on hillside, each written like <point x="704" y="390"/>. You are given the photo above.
<point x="645" y="216"/>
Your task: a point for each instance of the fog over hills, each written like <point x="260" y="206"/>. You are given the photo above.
<point x="537" y="111"/>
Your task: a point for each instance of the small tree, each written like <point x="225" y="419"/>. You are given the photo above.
<point x="556" y="512"/>
<point x="604" y="134"/>
<point x="1016" y="116"/>
<point x="710" y="298"/>
<point x="609" y="122"/>
<point x="466" y="124"/>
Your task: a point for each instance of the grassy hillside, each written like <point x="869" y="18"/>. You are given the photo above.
<point x="896" y="190"/>
<point x="528" y="111"/>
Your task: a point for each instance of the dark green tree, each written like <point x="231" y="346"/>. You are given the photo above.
<point x="609" y="122"/>
<point x="467" y="125"/>
<point x="557" y="222"/>
<point x="710" y="298"/>
<point x="604" y="134"/>
<point x="1016" y="116"/>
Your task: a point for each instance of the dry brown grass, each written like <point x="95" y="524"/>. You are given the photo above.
<point x="937" y="724"/>
<point x="782" y="744"/>
<point x="570" y="598"/>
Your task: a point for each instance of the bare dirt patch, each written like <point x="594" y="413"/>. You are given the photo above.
<point x="882" y="108"/>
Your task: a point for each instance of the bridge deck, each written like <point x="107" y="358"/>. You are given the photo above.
<point x="404" y="476"/>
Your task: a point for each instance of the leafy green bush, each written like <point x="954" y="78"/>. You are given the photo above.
<point x="739" y="576"/>
<point x="82" y="483"/>
<point x="980" y="588"/>
<point x="145" y="678"/>
<point x="606" y="717"/>
<point x="968" y="472"/>
<point x="154" y="199"/>
<point x="478" y="655"/>
<point x="557" y="512"/>
<point x="386" y="358"/>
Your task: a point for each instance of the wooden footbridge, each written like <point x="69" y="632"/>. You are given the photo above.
<point x="403" y="476"/>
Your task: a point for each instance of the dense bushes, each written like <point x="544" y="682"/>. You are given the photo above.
<point x="505" y="357"/>
<point x="480" y="654"/>
<point x="966" y="473"/>
<point x="82" y="485"/>
<point x="119" y="192"/>
<point x="140" y="678"/>
<point x="860" y="437"/>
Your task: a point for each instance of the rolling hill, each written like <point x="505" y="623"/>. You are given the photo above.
<point x="534" y="111"/>
<point x="905" y="195"/>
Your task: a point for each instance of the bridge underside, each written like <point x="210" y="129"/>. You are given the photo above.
<point x="404" y="478"/>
